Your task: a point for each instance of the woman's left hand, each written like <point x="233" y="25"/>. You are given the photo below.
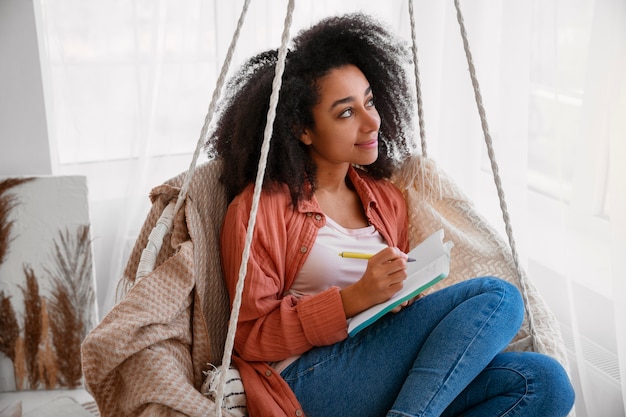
<point x="400" y="306"/>
<point x="406" y="303"/>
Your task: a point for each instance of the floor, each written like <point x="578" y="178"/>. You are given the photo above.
<point x="34" y="400"/>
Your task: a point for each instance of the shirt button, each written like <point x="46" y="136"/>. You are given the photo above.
<point x="303" y="249"/>
<point x="309" y="214"/>
<point x="268" y="373"/>
<point x="299" y="413"/>
<point x="318" y="217"/>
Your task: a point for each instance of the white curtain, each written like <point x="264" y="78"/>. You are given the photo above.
<point x="554" y="80"/>
<point x="129" y="84"/>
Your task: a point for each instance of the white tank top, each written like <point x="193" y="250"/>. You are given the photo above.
<point x="324" y="267"/>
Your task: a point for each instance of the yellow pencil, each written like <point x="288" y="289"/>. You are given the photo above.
<point x="359" y="255"/>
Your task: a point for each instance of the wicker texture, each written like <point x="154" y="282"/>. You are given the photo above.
<point x="436" y="202"/>
<point x="149" y="354"/>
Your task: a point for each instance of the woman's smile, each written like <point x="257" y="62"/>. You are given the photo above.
<point x="370" y="144"/>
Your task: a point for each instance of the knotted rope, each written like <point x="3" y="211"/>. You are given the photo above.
<point x="496" y="173"/>
<point x="267" y="136"/>
<point x="418" y="85"/>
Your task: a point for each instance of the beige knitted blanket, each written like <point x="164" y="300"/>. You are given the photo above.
<point x="148" y="355"/>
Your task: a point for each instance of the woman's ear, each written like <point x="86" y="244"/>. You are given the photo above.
<point x="305" y="136"/>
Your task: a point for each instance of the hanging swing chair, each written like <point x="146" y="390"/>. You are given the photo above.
<point x="166" y="348"/>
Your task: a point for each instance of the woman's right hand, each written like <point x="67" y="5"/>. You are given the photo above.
<point x="383" y="277"/>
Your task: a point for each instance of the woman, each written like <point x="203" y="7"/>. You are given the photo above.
<point x="343" y="121"/>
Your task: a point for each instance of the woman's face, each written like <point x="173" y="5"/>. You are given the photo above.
<point x="346" y="122"/>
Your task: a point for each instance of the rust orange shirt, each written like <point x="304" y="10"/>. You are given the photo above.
<point x="273" y="326"/>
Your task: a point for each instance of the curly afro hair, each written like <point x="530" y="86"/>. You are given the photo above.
<point x="333" y="42"/>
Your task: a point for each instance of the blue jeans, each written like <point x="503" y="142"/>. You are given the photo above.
<point x="441" y="356"/>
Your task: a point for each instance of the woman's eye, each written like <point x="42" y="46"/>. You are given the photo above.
<point x="370" y="102"/>
<point x="346" y="113"/>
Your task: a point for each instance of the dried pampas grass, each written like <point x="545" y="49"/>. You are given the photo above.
<point x="45" y="351"/>
<point x="19" y="364"/>
<point x="70" y="306"/>
<point x="48" y="366"/>
<point x="72" y="269"/>
<point x="9" y="328"/>
<point x="67" y="330"/>
<point x="7" y="203"/>
<point x="32" y="326"/>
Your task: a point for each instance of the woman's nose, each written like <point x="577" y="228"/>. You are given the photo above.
<point x="371" y="120"/>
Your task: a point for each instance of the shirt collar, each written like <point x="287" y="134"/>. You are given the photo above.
<point x="361" y="186"/>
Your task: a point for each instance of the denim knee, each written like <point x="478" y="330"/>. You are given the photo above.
<point x="558" y="392"/>
<point x="511" y="297"/>
<point x="549" y="391"/>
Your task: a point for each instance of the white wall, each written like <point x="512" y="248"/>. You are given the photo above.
<point x="24" y="148"/>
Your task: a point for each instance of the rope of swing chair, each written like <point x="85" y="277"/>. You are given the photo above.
<point x="164" y="224"/>
<point x="488" y="142"/>
<point x="496" y="173"/>
<point x="418" y="84"/>
<point x="267" y="136"/>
